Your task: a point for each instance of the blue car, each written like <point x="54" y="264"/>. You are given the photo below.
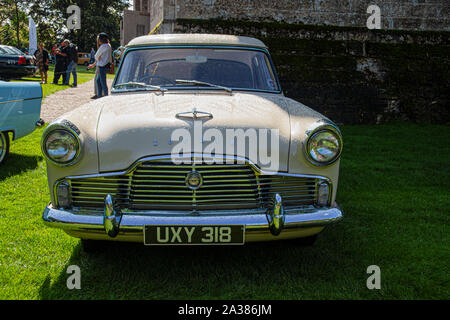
<point x="20" y="109"/>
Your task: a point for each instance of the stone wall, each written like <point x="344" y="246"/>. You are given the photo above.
<point x="353" y="75"/>
<point x="128" y="30"/>
<point x="328" y="59"/>
<point x="396" y="14"/>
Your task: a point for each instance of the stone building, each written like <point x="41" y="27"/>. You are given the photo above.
<point x="396" y="14"/>
<point x="325" y="55"/>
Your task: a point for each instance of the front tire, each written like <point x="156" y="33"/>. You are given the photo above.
<point x="4" y="146"/>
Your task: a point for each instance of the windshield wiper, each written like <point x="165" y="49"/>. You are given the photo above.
<point x="140" y="85"/>
<point x="201" y="83"/>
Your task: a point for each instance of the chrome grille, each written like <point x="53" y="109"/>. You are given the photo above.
<point x="160" y="185"/>
<point x="91" y="192"/>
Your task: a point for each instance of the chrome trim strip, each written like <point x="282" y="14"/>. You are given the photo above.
<point x="180" y="213"/>
<point x="20" y="100"/>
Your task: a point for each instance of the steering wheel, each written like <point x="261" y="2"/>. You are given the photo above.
<point x="150" y="76"/>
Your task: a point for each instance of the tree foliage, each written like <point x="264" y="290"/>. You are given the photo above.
<point x="13" y="23"/>
<point x="51" y="17"/>
<point x="96" y="16"/>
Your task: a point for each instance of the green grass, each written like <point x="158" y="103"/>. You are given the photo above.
<point x="83" y="76"/>
<point x="394" y="188"/>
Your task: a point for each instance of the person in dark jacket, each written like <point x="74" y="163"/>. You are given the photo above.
<point x="42" y="60"/>
<point x="61" y="63"/>
<point x="72" y="50"/>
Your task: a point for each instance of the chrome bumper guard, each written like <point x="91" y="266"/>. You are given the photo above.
<point x="114" y="221"/>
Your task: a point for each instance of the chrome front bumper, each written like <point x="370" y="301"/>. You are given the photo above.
<point x="126" y="226"/>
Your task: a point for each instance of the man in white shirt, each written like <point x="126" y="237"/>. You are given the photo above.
<point x="103" y="60"/>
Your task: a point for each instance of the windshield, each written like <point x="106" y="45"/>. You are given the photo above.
<point x="198" y="68"/>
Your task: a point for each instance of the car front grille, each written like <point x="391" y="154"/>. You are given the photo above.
<point x="161" y="185"/>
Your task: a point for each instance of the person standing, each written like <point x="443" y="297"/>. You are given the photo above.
<point x="95" y="96"/>
<point x="61" y="63"/>
<point x="92" y="56"/>
<point x="72" y="54"/>
<point x="103" y="61"/>
<point x="42" y="59"/>
<point x="54" y="48"/>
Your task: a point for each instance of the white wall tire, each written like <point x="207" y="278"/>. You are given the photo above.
<point x="4" y="146"/>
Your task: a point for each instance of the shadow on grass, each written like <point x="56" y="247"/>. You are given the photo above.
<point x="16" y="164"/>
<point x="135" y="271"/>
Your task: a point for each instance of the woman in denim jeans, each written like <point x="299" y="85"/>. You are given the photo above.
<point x="103" y="60"/>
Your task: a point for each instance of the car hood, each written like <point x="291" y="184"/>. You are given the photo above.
<point x="132" y="126"/>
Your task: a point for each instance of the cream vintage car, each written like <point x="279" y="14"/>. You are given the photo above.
<point x="195" y="145"/>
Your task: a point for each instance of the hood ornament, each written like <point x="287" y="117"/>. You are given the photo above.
<point x="194" y="114"/>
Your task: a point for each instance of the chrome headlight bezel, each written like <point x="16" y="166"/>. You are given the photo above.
<point x="67" y="128"/>
<point x="327" y="127"/>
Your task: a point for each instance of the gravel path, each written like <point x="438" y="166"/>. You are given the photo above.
<point x="66" y="100"/>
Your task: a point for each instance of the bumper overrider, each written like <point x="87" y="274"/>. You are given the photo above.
<point x="273" y="224"/>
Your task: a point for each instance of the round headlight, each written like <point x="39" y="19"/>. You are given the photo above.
<point x="61" y="147"/>
<point x="324" y="147"/>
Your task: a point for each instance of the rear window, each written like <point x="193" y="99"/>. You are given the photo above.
<point x="12" y="50"/>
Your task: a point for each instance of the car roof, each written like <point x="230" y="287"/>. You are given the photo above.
<point x="196" y="38"/>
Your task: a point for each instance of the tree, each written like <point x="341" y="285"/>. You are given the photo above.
<point x="13" y="23"/>
<point x="16" y="10"/>
<point x="96" y="16"/>
<point x="50" y="23"/>
<point x="50" y="17"/>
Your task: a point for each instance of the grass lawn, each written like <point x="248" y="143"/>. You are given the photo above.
<point x="83" y="76"/>
<point x="394" y="188"/>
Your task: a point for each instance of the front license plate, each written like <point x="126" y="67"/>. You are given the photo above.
<point x="194" y="235"/>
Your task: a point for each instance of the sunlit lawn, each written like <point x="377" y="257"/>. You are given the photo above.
<point x="83" y="75"/>
<point x="394" y="188"/>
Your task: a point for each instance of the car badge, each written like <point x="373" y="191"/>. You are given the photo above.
<point x="194" y="114"/>
<point x="194" y="180"/>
